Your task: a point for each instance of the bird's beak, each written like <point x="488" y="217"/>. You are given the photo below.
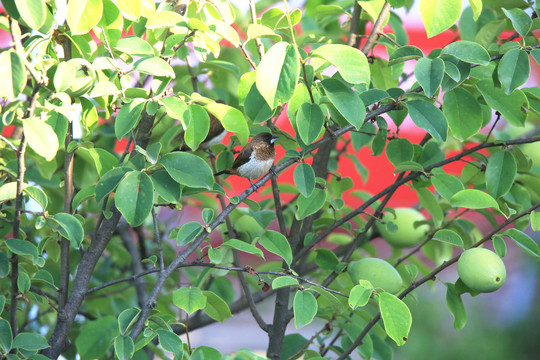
<point x="274" y="139"/>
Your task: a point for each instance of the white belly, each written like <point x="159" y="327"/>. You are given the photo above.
<point x="255" y="168"/>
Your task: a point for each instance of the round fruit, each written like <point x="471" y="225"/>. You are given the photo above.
<point x="407" y="234"/>
<point x="378" y="272"/>
<point x="84" y="78"/>
<point x="481" y="270"/>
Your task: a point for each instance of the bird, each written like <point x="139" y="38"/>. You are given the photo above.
<point x="216" y="133"/>
<point x="255" y="159"/>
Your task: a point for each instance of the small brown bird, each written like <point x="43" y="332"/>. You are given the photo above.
<point x="216" y="133"/>
<point x="255" y="159"/>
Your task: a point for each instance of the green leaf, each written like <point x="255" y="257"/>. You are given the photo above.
<point x="304" y="179"/>
<point x="351" y="63"/>
<point x="164" y="19"/>
<point x="521" y="21"/>
<point x="277" y="74"/>
<point x="41" y="137"/>
<point x="89" y="116"/>
<point x="446" y="185"/>
<point x="304" y="307"/>
<point x="134" y="46"/>
<point x="171" y="342"/>
<point x="198" y="124"/>
<point x="109" y="181"/>
<point x="38" y="195"/>
<point x="83" y="15"/>
<point x="6" y="336"/>
<point x="153" y="65"/>
<point x="33" y="12"/>
<point x="501" y="171"/>
<point x="513" y="69"/>
<point x="276" y="243"/>
<point x="473" y="199"/>
<point x="188" y="232"/>
<point x="346" y="101"/>
<point x="463" y="112"/>
<point x="131" y="9"/>
<point x="326" y="259"/>
<point x="429" y="74"/>
<point x="284" y="281"/>
<point x="439" y="15"/>
<point x="22" y="247"/>
<point x="243" y="246"/>
<point x="70" y="228"/>
<point x="127" y="319"/>
<point x="166" y="187"/>
<point x="13" y="74"/>
<point x="309" y="121"/>
<point x="455" y="305"/>
<point x="359" y="295"/>
<point x="30" y="342"/>
<point x="449" y="237"/>
<point x="188" y="169"/>
<point x="405" y="53"/>
<point x="135" y="197"/>
<point x="430" y="203"/>
<point x="399" y="150"/>
<point x="467" y="51"/>
<point x="175" y="107"/>
<point x="510" y="106"/>
<point x="231" y="119"/>
<point x="64" y="75"/>
<point x="535" y="220"/>
<point x="310" y="205"/>
<point x="128" y="117"/>
<point x="216" y="307"/>
<point x="261" y="31"/>
<point x="189" y="300"/>
<point x="123" y="347"/>
<point x="499" y="245"/>
<point x="428" y="117"/>
<point x="528" y="245"/>
<point x="396" y="317"/>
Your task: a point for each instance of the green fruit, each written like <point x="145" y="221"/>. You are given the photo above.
<point x="406" y="234"/>
<point x="481" y="270"/>
<point x="84" y="78"/>
<point x="378" y="272"/>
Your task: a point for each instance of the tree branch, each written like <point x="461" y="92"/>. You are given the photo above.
<point x="431" y="276"/>
<point x="377" y="28"/>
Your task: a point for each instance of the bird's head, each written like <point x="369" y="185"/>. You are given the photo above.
<point x="266" y="138"/>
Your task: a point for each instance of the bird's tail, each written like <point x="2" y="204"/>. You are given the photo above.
<point x="227" y="171"/>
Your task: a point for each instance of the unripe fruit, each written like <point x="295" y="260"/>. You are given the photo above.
<point x="406" y="235"/>
<point x="378" y="272"/>
<point x="481" y="270"/>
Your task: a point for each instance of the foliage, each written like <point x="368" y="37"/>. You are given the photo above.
<point x="86" y="264"/>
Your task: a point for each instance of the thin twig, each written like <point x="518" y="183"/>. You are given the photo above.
<point x="232" y="234"/>
<point x="9" y="143"/>
<point x="377" y="27"/>
<point x="430" y="237"/>
<point x="192" y="75"/>
<point x="246" y="55"/>
<point x="493" y="126"/>
<point x="258" y="42"/>
<point x="249" y="298"/>
<point x="390" y="39"/>
<point x="158" y="240"/>
<point x="431" y="276"/>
